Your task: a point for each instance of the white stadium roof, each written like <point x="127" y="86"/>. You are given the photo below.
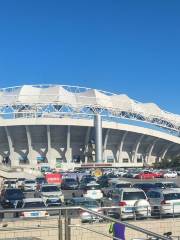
<point x="78" y="99"/>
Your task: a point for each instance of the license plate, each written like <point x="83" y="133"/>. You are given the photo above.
<point x="34" y="214"/>
<point x="93" y="193"/>
<point x="128" y="209"/>
<point x="53" y="200"/>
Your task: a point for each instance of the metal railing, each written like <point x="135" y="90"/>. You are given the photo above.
<point x="64" y="222"/>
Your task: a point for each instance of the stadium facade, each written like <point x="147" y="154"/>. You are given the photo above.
<point x="54" y="125"/>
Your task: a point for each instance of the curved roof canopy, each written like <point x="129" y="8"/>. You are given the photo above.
<point x="117" y="105"/>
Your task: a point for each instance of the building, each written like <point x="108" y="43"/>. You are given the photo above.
<point x="53" y="125"/>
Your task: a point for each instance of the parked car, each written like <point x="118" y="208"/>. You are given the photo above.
<point x="29" y="185"/>
<point x="9" y="184"/>
<point x="164" y="201"/>
<point x="133" y="202"/>
<point x="40" y="181"/>
<point x="93" y="191"/>
<point x="19" y="183"/>
<point x="32" y="203"/>
<point x="164" y="185"/>
<point x="10" y="197"/>
<point x="69" y="184"/>
<point x="116" y="185"/>
<point x="49" y="191"/>
<point x="145" y="175"/>
<point x="170" y="174"/>
<point x="86" y="203"/>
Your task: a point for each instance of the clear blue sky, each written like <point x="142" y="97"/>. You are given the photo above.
<point x="130" y="47"/>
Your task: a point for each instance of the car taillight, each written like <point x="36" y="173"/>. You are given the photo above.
<point x="21" y="214"/>
<point x="163" y="202"/>
<point x="122" y="204"/>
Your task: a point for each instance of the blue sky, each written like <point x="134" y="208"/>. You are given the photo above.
<point x="130" y="47"/>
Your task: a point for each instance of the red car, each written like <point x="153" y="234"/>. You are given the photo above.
<point x="145" y="175"/>
<point x="158" y="174"/>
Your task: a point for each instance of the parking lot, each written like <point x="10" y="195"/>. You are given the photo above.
<point x="69" y="194"/>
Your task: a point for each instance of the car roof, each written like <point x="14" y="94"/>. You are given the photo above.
<point x="92" y="184"/>
<point x="26" y="200"/>
<point x="167" y="190"/>
<point x="132" y="190"/>
<point x="49" y="185"/>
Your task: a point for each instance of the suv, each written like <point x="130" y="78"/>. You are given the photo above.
<point x="10" y="197"/>
<point x="133" y="202"/>
<point x="164" y="201"/>
<point x="69" y="184"/>
<point x="49" y="191"/>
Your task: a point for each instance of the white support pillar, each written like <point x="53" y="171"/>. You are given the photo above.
<point x="30" y="155"/>
<point x="49" y="152"/>
<point x="105" y="144"/>
<point x="136" y="148"/>
<point x="14" y="162"/>
<point x="151" y="147"/>
<point x="68" y="145"/>
<point x="165" y="150"/>
<point x="86" y="142"/>
<point x="121" y="146"/>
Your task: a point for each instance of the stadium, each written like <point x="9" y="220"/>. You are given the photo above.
<point x="54" y="125"/>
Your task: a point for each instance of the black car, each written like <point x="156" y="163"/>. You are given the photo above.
<point x="69" y="184"/>
<point x="10" y="197"/>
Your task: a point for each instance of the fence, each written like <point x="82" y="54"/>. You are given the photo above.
<point x="65" y="227"/>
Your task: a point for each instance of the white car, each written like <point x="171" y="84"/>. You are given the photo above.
<point x="170" y="174"/>
<point x="32" y="203"/>
<point x="50" y="191"/>
<point x="9" y="184"/>
<point x="133" y="202"/>
<point x="92" y="190"/>
<point x="29" y="185"/>
<point x="165" y="201"/>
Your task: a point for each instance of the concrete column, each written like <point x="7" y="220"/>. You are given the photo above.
<point x="165" y="150"/>
<point x="121" y="146"/>
<point x="105" y="144"/>
<point x="86" y="142"/>
<point x="136" y="147"/>
<point x="98" y="137"/>
<point x="151" y="149"/>
<point x="68" y="145"/>
<point x="30" y="154"/>
<point x="49" y="155"/>
<point x="14" y="162"/>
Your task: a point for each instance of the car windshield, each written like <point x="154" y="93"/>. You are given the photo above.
<point x="91" y="204"/>
<point x="29" y="182"/>
<point x="93" y="187"/>
<point x="123" y="185"/>
<point x="171" y="185"/>
<point x="34" y="205"/>
<point x="172" y="196"/>
<point x="40" y="180"/>
<point x="144" y="185"/>
<point x="50" y="189"/>
<point x="70" y="180"/>
<point x="133" y="195"/>
<point x="9" y="182"/>
<point x="14" y="194"/>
